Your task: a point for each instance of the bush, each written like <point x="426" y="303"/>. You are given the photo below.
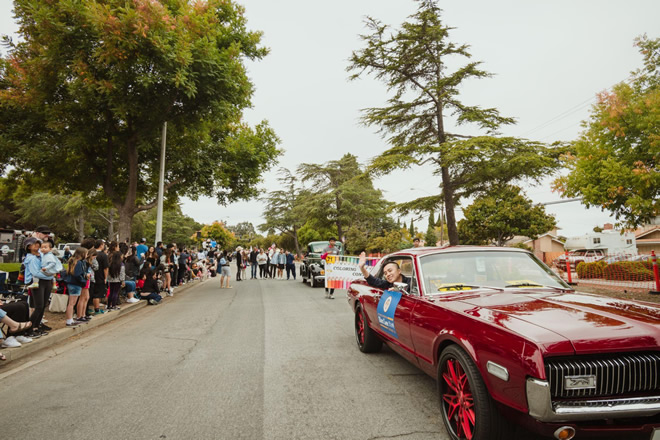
<point x="627" y="271"/>
<point x="590" y="270"/>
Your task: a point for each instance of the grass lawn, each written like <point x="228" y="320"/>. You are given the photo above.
<point x="10" y="267"/>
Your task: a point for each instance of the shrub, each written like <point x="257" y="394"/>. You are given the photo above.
<point x="627" y="271"/>
<point x="590" y="270"/>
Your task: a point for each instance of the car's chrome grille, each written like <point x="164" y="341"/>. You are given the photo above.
<point x="615" y="375"/>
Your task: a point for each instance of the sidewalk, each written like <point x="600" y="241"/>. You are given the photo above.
<point x="62" y="334"/>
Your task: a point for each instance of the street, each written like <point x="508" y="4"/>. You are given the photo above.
<point x="265" y="360"/>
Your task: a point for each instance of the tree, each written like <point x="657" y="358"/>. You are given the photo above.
<point x="218" y="231"/>
<point x="177" y="227"/>
<point x="342" y="194"/>
<point x="501" y="214"/>
<point x="430" y="238"/>
<point x="284" y="210"/>
<point x="93" y="82"/>
<point x="616" y="158"/>
<point x="244" y="232"/>
<point x="412" y="62"/>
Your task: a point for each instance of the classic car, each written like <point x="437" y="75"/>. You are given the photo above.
<point x="312" y="268"/>
<point x="509" y="343"/>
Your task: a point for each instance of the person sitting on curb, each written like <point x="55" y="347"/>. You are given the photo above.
<point x="150" y="288"/>
<point x="15" y="316"/>
<point x="391" y="271"/>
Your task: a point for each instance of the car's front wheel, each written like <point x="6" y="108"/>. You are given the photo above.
<point x="467" y="409"/>
<point x="366" y="338"/>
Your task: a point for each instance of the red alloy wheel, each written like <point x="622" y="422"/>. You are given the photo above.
<point x="458" y="399"/>
<point x="360" y="328"/>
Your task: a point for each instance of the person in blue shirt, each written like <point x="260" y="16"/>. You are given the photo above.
<point x="38" y="298"/>
<point x="142" y="249"/>
<point x="290" y="266"/>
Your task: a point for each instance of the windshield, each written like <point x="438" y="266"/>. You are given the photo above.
<point x="486" y="268"/>
<point x="317" y="248"/>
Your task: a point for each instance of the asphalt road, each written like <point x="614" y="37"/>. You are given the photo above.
<point x="264" y="360"/>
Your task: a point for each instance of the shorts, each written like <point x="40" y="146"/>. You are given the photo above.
<point x="73" y="290"/>
<point x="226" y="271"/>
<point x="98" y="291"/>
<point x="280" y="266"/>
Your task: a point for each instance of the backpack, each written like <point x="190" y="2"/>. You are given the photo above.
<point x="223" y="261"/>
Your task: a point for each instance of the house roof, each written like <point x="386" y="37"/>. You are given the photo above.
<point x="639" y="234"/>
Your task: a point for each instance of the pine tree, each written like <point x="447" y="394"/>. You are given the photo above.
<point x="412" y="228"/>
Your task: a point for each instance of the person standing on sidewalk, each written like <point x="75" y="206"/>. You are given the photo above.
<point x="330" y="250"/>
<point x="239" y="263"/>
<point x="253" y="263"/>
<point x="262" y="260"/>
<point x="99" y="288"/>
<point x="290" y="266"/>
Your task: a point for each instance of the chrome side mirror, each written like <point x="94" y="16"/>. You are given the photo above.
<point x="400" y="287"/>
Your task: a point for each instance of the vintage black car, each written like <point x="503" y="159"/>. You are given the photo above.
<point x="312" y="269"/>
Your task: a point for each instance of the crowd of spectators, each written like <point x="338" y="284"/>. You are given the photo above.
<point x="98" y="277"/>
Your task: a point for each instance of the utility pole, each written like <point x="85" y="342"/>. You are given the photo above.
<point x="161" y="187"/>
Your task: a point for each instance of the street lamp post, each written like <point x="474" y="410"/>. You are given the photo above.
<point x="161" y="187"/>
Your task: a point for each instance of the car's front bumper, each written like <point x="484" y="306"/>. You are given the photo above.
<point x="542" y="408"/>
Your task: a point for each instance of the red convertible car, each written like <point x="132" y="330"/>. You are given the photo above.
<point x="509" y="341"/>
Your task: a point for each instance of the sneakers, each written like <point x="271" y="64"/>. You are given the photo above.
<point x="99" y="312"/>
<point x="331" y="296"/>
<point x="45" y="327"/>
<point x="11" y="342"/>
<point x="34" y="334"/>
<point x="153" y="302"/>
<point x="327" y="294"/>
<point x="73" y="324"/>
<point x="23" y="339"/>
<point x="132" y="300"/>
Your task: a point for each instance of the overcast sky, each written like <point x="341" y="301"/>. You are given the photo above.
<point x="549" y="60"/>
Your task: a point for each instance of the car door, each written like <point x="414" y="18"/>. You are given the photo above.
<point x="400" y="338"/>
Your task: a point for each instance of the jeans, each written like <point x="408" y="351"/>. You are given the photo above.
<point x="253" y="270"/>
<point x="150" y="295"/>
<point x="130" y="286"/>
<point x="290" y="269"/>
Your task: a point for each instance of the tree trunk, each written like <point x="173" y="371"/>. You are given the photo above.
<point x="295" y="241"/>
<point x="125" y="222"/>
<point x="81" y="227"/>
<point x="111" y="224"/>
<point x="340" y="231"/>
<point x="448" y="192"/>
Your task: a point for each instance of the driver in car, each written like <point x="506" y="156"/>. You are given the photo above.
<point x="391" y="271"/>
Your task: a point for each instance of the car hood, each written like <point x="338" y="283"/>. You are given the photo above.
<point x="591" y="323"/>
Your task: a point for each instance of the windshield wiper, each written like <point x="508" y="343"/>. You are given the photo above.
<point x="526" y="284"/>
<point x="457" y="287"/>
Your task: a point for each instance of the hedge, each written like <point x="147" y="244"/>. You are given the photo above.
<point x="627" y="271"/>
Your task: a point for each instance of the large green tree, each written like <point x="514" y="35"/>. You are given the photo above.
<point x="616" y="158"/>
<point x="285" y="209"/>
<point x="86" y="89"/>
<point x="500" y="215"/>
<point x="414" y="62"/>
<point x="343" y="195"/>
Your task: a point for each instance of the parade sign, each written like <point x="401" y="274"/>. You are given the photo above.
<point x="341" y="270"/>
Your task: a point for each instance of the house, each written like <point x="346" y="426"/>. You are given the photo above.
<point x="546" y="247"/>
<point x="648" y="239"/>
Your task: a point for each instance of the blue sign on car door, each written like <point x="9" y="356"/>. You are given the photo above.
<point x="386" y="309"/>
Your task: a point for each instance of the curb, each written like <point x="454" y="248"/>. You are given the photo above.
<point x="62" y="334"/>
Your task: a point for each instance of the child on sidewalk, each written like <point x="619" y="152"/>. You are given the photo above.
<point x="76" y="279"/>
